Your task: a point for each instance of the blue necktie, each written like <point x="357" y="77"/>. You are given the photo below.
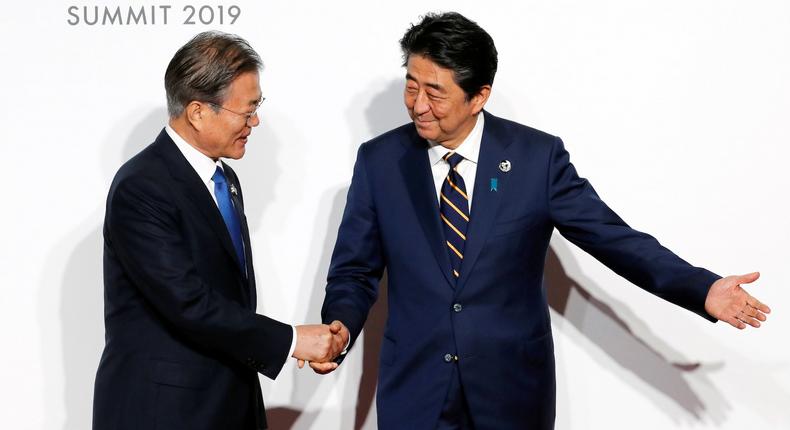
<point x="454" y="211"/>
<point x="229" y="214"/>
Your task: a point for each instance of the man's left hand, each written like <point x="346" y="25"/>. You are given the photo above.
<point x="729" y="302"/>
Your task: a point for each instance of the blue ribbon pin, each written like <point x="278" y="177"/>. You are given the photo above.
<point x="494" y="183"/>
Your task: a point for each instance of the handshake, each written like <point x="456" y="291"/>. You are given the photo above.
<point x="319" y="345"/>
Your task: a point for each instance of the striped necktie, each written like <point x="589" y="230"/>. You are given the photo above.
<point x="454" y="210"/>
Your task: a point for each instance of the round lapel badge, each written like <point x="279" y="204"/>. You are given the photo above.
<point x="504" y="166"/>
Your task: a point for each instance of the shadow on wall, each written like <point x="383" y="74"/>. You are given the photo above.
<point x="684" y="389"/>
<point x="73" y="290"/>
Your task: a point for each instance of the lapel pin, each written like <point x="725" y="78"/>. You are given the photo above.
<point x="233" y="190"/>
<point x="504" y="166"/>
<point x="494" y="183"/>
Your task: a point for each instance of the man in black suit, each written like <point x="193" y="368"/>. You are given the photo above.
<point x="183" y="342"/>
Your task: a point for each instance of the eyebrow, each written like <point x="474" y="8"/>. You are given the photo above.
<point x="429" y="84"/>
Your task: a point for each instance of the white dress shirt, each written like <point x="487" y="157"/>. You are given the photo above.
<point x="467" y="168"/>
<point x="205" y="167"/>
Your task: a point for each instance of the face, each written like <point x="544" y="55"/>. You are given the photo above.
<point x="224" y="133"/>
<point x="437" y="105"/>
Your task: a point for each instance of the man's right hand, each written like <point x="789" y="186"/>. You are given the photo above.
<point x="318" y="343"/>
<point x="338" y="329"/>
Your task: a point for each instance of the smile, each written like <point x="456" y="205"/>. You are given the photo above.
<point x="422" y="123"/>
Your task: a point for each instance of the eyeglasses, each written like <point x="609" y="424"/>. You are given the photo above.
<point x="248" y="116"/>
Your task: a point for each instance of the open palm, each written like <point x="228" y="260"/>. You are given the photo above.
<point x="729" y="302"/>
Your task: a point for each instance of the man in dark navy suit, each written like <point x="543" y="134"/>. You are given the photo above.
<point x="459" y="207"/>
<point x="184" y="345"/>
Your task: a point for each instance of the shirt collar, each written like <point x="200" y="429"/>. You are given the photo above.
<point x="204" y="166"/>
<point x="469" y="148"/>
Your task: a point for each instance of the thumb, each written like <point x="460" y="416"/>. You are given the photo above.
<point x="335" y="327"/>
<point x="748" y="278"/>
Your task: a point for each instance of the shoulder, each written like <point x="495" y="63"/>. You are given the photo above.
<point x="522" y="140"/>
<point x="141" y="164"/>
<point x="393" y="141"/>
<point x="517" y="132"/>
<point x="145" y="173"/>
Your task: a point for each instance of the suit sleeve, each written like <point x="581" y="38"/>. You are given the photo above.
<point x="143" y="226"/>
<point x="357" y="261"/>
<point x="584" y="219"/>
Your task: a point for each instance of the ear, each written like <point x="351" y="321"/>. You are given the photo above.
<point x="479" y="100"/>
<point x="195" y="113"/>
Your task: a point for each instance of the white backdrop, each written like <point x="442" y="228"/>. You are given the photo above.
<point x="677" y="111"/>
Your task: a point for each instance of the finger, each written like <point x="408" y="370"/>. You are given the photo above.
<point x="753" y="312"/>
<point x="751" y="301"/>
<point x="335" y="327"/>
<point x="338" y="340"/>
<point x="749" y="320"/>
<point x="737" y="323"/>
<point x="749" y="311"/>
<point x="300" y="363"/>
<point x="328" y="365"/>
<point x="323" y="368"/>
<point x="338" y="351"/>
<point x="748" y="278"/>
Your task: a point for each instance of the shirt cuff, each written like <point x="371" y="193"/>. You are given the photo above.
<point x="293" y="344"/>
<point x="345" y="350"/>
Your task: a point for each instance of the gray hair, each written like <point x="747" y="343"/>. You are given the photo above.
<point x="204" y="68"/>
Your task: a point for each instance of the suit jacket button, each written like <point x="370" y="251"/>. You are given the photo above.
<point x="457" y="307"/>
<point x="448" y="358"/>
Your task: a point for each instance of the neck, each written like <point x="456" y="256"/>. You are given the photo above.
<point x="454" y="142"/>
<point x="190" y="135"/>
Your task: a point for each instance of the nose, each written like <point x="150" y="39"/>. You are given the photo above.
<point x="253" y="121"/>
<point x="421" y="104"/>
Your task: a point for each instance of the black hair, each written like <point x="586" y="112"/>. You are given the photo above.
<point x="454" y="42"/>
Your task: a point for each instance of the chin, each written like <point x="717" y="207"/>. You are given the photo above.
<point x="426" y="133"/>
<point x="237" y="154"/>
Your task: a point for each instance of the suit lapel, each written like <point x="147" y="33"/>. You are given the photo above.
<point x="416" y="170"/>
<point x="485" y="200"/>
<point x="195" y="190"/>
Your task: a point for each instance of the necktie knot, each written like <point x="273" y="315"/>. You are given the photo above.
<point x="453" y="158"/>
<point x="219" y="176"/>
